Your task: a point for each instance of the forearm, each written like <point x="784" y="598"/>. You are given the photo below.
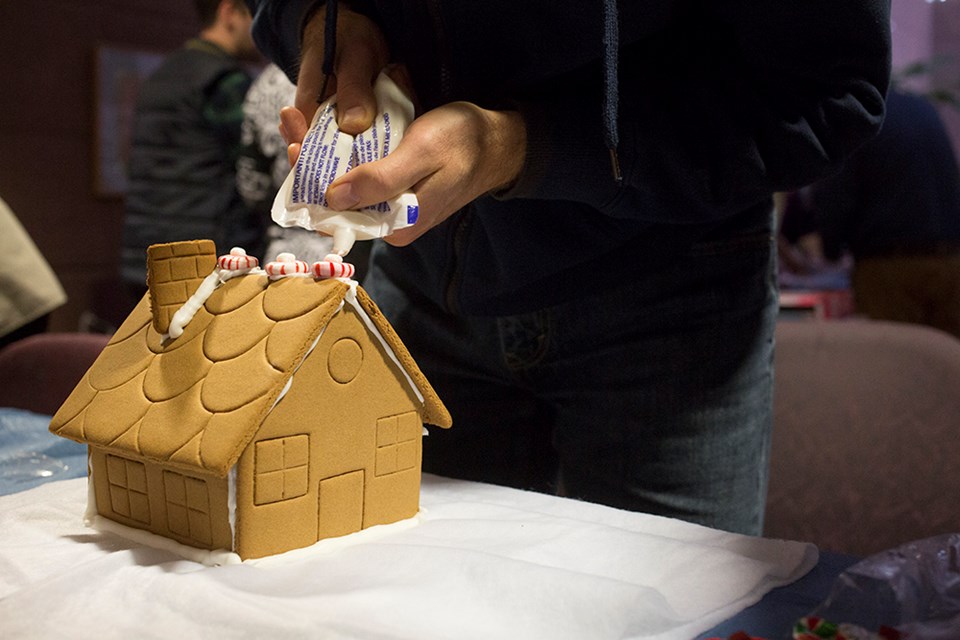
<point x="721" y="104"/>
<point x="278" y="27"/>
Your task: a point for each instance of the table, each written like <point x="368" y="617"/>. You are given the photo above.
<point x="773" y="617"/>
<point x="480" y="562"/>
<point x="816" y="304"/>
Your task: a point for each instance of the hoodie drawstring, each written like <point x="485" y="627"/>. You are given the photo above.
<point x="611" y="57"/>
<point x="329" y="46"/>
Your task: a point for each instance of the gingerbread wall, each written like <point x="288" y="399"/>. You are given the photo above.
<point x="340" y="452"/>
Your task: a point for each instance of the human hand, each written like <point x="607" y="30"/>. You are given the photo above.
<point x="294" y="124"/>
<point x="361" y="54"/>
<point x="448" y="157"/>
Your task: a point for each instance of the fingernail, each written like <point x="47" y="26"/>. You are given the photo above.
<point x="352" y="117"/>
<point x="342" y="197"/>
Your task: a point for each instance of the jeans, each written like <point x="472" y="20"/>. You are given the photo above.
<point x="652" y="395"/>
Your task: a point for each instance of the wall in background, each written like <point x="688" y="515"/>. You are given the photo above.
<point x="912" y="26"/>
<point x="946" y="48"/>
<point x="47" y="112"/>
<point x="929" y="33"/>
<point x="47" y="56"/>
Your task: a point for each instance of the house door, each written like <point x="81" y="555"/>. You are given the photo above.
<point x="341" y="505"/>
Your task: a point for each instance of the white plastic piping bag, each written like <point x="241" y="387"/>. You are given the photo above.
<point x="327" y="153"/>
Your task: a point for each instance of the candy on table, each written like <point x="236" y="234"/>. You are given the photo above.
<point x="816" y="628"/>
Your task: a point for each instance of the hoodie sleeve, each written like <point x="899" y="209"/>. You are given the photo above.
<point x="278" y="27"/>
<point x="720" y="103"/>
<point x="730" y="102"/>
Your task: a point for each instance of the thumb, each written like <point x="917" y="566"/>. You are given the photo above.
<point x="356" y="105"/>
<point x="356" y="72"/>
<point x="377" y="181"/>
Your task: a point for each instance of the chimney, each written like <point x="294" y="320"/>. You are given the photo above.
<point x="174" y="272"/>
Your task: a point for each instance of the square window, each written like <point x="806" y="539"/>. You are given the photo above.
<point x="269" y="455"/>
<point x="296" y="451"/>
<point x="199" y="524"/>
<point x="294" y="482"/>
<point x="406" y="455"/>
<point x="281" y="468"/>
<point x="136" y="477"/>
<point x="197" y="496"/>
<point x="409" y="427"/>
<point x="139" y="507"/>
<point x="268" y="487"/>
<point x="386" y="460"/>
<point x="174" y="489"/>
<point x="386" y="431"/>
<point x="177" y="520"/>
<point x="119" y="501"/>
<point x="117" y="471"/>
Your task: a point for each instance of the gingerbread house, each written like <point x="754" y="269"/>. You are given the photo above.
<point x="285" y="410"/>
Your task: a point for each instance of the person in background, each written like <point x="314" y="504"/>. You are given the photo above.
<point x="263" y="166"/>
<point x="802" y="262"/>
<point x="896" y="207"/>
<point x="590" y="284"/>
<point x="29" y="289"/>
<point x="186" y="138"/>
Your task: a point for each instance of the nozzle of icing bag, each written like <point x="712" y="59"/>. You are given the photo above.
<point x="343" y="239"/>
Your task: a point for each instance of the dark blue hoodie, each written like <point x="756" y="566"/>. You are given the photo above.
<point x="721" y="103"/>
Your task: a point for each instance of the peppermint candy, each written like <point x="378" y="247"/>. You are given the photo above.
<point x="287" y="264"/>
<point x="237" y="260"/>
<point x="333" y="266"/>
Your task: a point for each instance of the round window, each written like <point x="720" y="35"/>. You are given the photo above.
<point x="344" y="360"/>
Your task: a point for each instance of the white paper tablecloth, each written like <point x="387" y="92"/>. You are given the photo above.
<point x="483" y="562"/>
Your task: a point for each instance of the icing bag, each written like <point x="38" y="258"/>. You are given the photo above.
<point x="327" y="153"/>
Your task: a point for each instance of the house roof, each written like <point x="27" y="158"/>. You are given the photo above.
<point x="198" y="400"/>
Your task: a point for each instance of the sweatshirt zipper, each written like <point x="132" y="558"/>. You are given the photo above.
<point x="445" y="80"/>
<point x="443" y="49"/>
<point x="458" y="242"/>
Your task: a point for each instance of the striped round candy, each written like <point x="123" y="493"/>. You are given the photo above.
<point x="331" y="269"/>
<point x="237" y="260"/>
<point x="287" y="265"/>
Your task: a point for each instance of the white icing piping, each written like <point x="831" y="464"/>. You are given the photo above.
<point x="185" y="314"/>
<point x="289" y="383"/>
<point x="329" y="546"/>
<point x="91" y="512"/>
<point x="232" y="505"/>
<point x="222" y="557"/>
<point x="216" y="557"/>
<point x="351" y="297"/>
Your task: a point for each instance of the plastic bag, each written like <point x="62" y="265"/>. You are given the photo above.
<point x="914" y="588"/>
<point x="327" y="153"/>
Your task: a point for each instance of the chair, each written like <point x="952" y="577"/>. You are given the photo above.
<point x="38" y="372"/>
<point x="866" y="453"/>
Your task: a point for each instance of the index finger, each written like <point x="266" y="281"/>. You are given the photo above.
<point x="381" y="180"/>
<point x="309" y="82"/>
